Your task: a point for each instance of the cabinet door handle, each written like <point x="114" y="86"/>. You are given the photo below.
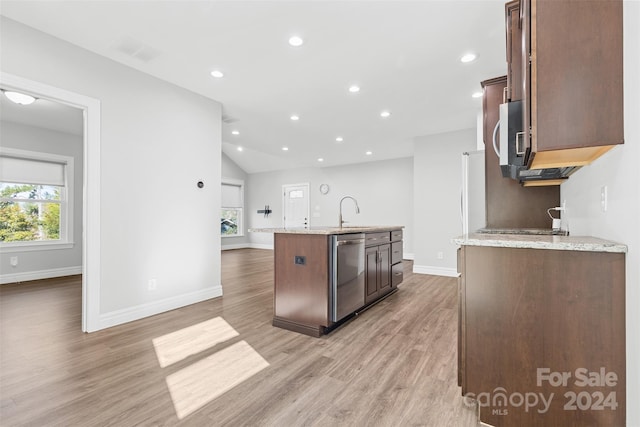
<point x="520" y="149"/>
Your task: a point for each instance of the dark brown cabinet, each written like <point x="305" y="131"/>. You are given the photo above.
<point x="377" y="270"/>
<point x="544" y="323"/>
<point x="571" y="78"/>
<point x="509" y="204"/>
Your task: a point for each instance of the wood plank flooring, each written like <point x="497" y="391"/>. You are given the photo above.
<point x="394" y="365"/>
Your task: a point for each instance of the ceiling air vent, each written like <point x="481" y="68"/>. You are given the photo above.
<point x="136" y="49"/>
<point x="228" y="119"/>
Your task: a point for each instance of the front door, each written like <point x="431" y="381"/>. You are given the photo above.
<point x="295" y="206"/>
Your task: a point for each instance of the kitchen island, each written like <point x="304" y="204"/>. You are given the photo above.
<point x="541" y="337"/>
<point x="325" y="275"/>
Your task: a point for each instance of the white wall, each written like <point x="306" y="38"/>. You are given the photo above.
<point x="49" y="263"/>
<point x="231" y="170"/>
<point x="618" y="170"/>
<point x="438" y="185"/>
<point x="384" y="190"/>
<point x="157" y="141"/>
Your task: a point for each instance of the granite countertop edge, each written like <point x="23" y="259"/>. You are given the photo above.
<point x="566" y="243"/>
<point x="329" y="230"/>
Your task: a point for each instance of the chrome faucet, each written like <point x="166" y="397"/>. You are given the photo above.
<point x="340" y="221"/>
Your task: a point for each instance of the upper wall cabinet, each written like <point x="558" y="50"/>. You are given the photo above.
<point x="565" y="63"/>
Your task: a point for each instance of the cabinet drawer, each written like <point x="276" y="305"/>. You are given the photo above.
<point x="396" y="274"/>
<point x="396" y="235"/>
<point x="396" y="252"/>
<point x="373" y="239"/>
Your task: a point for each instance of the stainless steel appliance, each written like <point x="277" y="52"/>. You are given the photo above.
<point x="347" y="283"/>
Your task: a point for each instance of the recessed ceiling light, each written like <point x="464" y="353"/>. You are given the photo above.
<point x="321" y="159"/>
<point x="354" y="88"/>
<point x="285" y="148"/>
<point x="468" y="57"/>
<point x="339" y="139"/>
<point x="476" y="95"/>
<point x="296" y="41"/>
<point x="385" y="113"/>
<point x="235" y="132"/>
<point x="217" y="74"/>
<point x="368" y="153"/>
<point x="240" y="148"/>
<point x="295" y="118"/>
<point x="19" y="98"/>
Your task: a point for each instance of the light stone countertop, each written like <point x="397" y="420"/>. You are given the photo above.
<point x="562" y="243"/>
<point x="329" y="230"/>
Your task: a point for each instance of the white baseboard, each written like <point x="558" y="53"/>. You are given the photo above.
<point x="435" y="271"/>
<point x="408" y="256"/>
<point x="125" y="315"/>
<point x="40" y="274"/>
<point x="236" y="246"/>
<point x="260" y="246"/>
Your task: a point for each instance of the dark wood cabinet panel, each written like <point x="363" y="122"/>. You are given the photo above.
<point x="529" y="309"/>
<point x="575" y="99"/>
<point x="396" y="252"/>
<point x="378" y="272"/>
<point x="514" y="51"/>
<point x="301" y="293"/>
<point x="509" y="204"/>
<point x="371" y="271"/>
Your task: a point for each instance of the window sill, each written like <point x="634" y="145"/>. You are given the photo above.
<point x="34" y="246"/>
<point x="228" y="235"/>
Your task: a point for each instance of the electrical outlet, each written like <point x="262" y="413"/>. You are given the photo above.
<point x="153" y="284"/>
<point x="13" y="261"/>
<point x="604" y="196"/>
<point x="440" y="255"/>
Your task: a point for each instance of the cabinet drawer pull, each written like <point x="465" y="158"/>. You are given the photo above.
<point x="398" y="274"/>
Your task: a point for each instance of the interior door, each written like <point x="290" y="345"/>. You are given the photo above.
<point x="296" y="206"/>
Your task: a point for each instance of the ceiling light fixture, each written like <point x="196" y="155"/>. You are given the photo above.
<point x="476" y="95"/>
<point x="217" y="74"/>
<point x="368" y="153"/>
<point x="295" y="118"/>
<point x="285" y="148"/>
<point x="321" y="159"/>
<point x="19" y="98"/>
<point x="339" y="139"/>
<point x="296" y="41"/>
<point x="385" y="114"/>
<point x="240" y="148"/>
<point x="468" y="57"/>
<point x="354" y="88"/>
<point x="235" y="132"/>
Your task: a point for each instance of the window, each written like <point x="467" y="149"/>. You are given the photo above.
<point x="36" y="209"/>
<point x="231" y="217"/>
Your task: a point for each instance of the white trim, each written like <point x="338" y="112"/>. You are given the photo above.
<point x="91" y="187"/>
<point x="260" y="246"/>
<point x="67" y="204"/>
<point x="235" y="246"/>
<point x="36" y="245"/>
<point x="408" y="256"/>
<point x="130" y="314"/>
<point x="40" y="274"/>
<point x="435" y="271"/>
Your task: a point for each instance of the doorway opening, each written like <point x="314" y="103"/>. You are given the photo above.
<point x="90" y="185"/>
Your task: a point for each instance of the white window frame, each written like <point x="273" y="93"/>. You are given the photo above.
<point x="239" y="183"/>
<point x="66" y="240"/>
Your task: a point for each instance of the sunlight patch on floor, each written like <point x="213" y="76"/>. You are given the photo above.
<point x="179" y="345"/>
<point x="198" y="384"/>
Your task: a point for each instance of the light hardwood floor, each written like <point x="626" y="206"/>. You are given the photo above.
<point x="394" y="365"/>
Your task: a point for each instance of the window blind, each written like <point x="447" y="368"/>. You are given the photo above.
<point x="231" y="195"/>
<point x="31" y="171"/>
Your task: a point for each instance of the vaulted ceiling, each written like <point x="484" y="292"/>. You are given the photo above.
<point x="403" y="55"/>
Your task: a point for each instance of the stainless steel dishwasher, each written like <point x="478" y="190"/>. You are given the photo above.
<point x="347" y="282"/>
